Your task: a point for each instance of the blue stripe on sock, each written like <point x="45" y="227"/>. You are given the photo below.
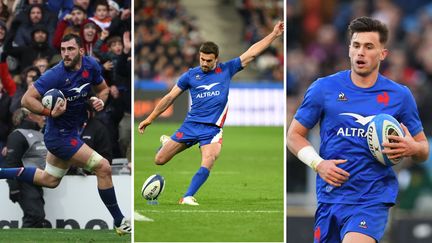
<point x="20" y="174"/>
<point x="197" y="181"/>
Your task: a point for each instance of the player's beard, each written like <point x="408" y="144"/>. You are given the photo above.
<point x="73" y="62"/>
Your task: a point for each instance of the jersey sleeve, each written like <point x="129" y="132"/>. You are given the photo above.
<point x="183" y="81"/>
<point x="309" y="112"/>
<point x="234" y="66"/>
<point x="46" y="82"/>
<point x="409" y="115"/>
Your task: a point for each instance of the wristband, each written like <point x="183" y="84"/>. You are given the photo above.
<point x="46" y="112"/>
<point x="310" y="157"/>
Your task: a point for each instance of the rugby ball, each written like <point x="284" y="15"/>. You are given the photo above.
<point x="153" y="187"/>
<point x="51" y="97"/>
<point x="379" y="128"/>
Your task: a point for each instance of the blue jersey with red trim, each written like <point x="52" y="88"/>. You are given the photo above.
<point x="76" y="86"/>
<point x="344" y="111"/>
<point x="209" y="91"/>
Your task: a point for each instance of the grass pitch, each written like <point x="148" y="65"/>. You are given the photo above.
<point x="61" y="235"/>
<point x="242" y="200"/>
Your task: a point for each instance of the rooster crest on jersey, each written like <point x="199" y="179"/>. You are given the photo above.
<point x="153" y="187"/>
<point x="51" y="97"/>
<point x="379" y="128"/>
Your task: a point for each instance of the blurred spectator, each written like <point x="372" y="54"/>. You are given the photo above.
<point x="166" y="37"/>
<point x="102" y="15"/>
<point x="115" y="61"/>
<point x="35" y="17"/>
<point x="42" y="63"/>
<point x="71" y="23"/>
<point x="39" y="47"/>
<point x="89" y="35"/>
<point x="121" y="19"/>
<point x="27" y="77"/>
<point x="26" y="148"/>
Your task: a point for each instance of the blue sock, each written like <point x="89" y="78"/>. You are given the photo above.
<point x="109" y="199"/>
<point x="20" y="174"/>
<point x="199" y="178"/>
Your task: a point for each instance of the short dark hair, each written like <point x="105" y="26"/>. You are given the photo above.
<point x="209" y="48"/>
<point x="367" y="24"/>
<point x="114" y="39"/>
<point x="76" y="7"/>
<point x="77" y="39"/>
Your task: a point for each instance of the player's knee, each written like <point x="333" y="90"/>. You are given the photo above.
<point x="160" y="159"/>
<point x="51" y="181"/>
<point x="104" y="168"/>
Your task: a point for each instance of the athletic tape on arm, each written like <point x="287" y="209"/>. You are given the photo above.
<point x="310" y="157"/>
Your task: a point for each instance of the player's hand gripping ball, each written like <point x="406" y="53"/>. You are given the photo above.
<point x="379" y="128"/>
<point x="51" y="98"/>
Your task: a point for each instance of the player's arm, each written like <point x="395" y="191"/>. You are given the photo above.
<point x="31" y="100"/>
<point x="261" y="45"/>
<point x="416" y="147"/>
<point x="163" y="104"/>
<point x="301" y="147"/>
<point x="102" y="91"/>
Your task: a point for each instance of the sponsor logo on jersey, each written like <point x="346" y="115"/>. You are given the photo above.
<point x="197" y="77"/>
<point x="363" y="224"/>
<point x="209" y="93"/>
<point x="342" y="97"/>
<point x="78" y="92"/>
<point x="207" y="87"/>
<point x="354" y="131"/>
<point x="383" y="98"/>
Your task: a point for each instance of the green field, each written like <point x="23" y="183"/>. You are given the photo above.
<point x="242" y="199"/>
<point x="61" y="235"/>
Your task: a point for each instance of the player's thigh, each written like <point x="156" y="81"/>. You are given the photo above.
<point x="356" y="237"/>
<point x="82" y="156"/>
<point x="169" y="149"/>
<point x="365" y="223"/>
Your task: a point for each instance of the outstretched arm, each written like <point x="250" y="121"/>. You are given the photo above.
<point x="261" y="45"/>
<point x="163" y="104"/>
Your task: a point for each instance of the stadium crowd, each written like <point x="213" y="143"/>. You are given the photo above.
<point x="30" y="36"/>
<point x="317" y="46"/>
<point x="167" y="38"/>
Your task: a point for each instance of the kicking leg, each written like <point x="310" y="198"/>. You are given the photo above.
<point x="169" y="149"/>
<point x="209" y="153"/>
<point x="89" y="159"/>
<point x="55" y="169"/>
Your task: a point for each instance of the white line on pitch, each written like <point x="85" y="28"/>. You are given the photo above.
<point x="211" y="211"/>
<point x="140" y="217"/>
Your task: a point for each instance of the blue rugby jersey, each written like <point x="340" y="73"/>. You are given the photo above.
<point x="209" y="91"/>
<point x="76" y="86"/>
<point x="344" y="111"/>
